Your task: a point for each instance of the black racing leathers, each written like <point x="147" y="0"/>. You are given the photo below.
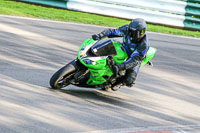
<point x="135" y="50"/>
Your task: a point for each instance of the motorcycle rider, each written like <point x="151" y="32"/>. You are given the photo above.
<point x="135" y="42"/>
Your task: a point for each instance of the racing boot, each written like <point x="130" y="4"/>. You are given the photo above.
<point x="117" y="84"/>
<point x="130" y="77"/>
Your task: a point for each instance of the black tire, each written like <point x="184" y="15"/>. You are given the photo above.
<point x="58" y="80"/>
<point x="105" y="89"/>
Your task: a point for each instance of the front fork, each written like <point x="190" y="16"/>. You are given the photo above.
<point x="81" y="76"/>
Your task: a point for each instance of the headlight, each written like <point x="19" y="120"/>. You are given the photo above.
<point x="88" y="61"/>
<point x="81" y="53"/>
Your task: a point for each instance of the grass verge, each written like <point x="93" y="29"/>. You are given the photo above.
<point x="27" y="10"/>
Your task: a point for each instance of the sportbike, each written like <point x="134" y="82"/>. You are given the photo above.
<point x="93" y="66"/>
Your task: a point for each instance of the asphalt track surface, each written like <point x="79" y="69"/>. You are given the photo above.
<point x="165" y="97"/>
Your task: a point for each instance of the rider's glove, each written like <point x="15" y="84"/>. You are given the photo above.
<point x="117" y="68"/>
<point x="96" y="37"/>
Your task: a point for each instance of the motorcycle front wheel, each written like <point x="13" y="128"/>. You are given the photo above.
<point x="61" y="78"/>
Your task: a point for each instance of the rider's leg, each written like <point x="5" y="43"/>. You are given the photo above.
<point x="130" y="76"/>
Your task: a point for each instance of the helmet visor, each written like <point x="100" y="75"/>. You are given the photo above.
<point x="136" y="34"/>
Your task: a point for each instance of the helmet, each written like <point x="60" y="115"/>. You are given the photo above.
<point x="137" y="29"/>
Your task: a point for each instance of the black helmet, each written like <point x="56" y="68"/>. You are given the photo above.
<point x="136" y="29"/>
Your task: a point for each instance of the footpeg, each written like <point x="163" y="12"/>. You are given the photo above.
<point x="117" y="86"/>
<point x="150" y="63"/>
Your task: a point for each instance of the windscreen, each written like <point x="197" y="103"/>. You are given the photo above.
<point x="104" y="47"/>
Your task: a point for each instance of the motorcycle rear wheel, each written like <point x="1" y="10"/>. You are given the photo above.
<point x="61" y="78"/>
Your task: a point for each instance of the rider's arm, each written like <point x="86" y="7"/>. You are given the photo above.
<point x="137" y="56"/>
<point x="119" y="32"/>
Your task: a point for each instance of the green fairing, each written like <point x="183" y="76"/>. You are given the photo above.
<point x="150" y="54"/>
<point x="97" y="76"/>
<point x="121" y="55"/>
<point x="98" y="68"/>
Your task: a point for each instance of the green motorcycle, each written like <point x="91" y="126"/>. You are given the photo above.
<point x="93" y="66"/>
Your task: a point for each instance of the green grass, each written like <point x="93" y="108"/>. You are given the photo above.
<point x="27" y="10"/>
